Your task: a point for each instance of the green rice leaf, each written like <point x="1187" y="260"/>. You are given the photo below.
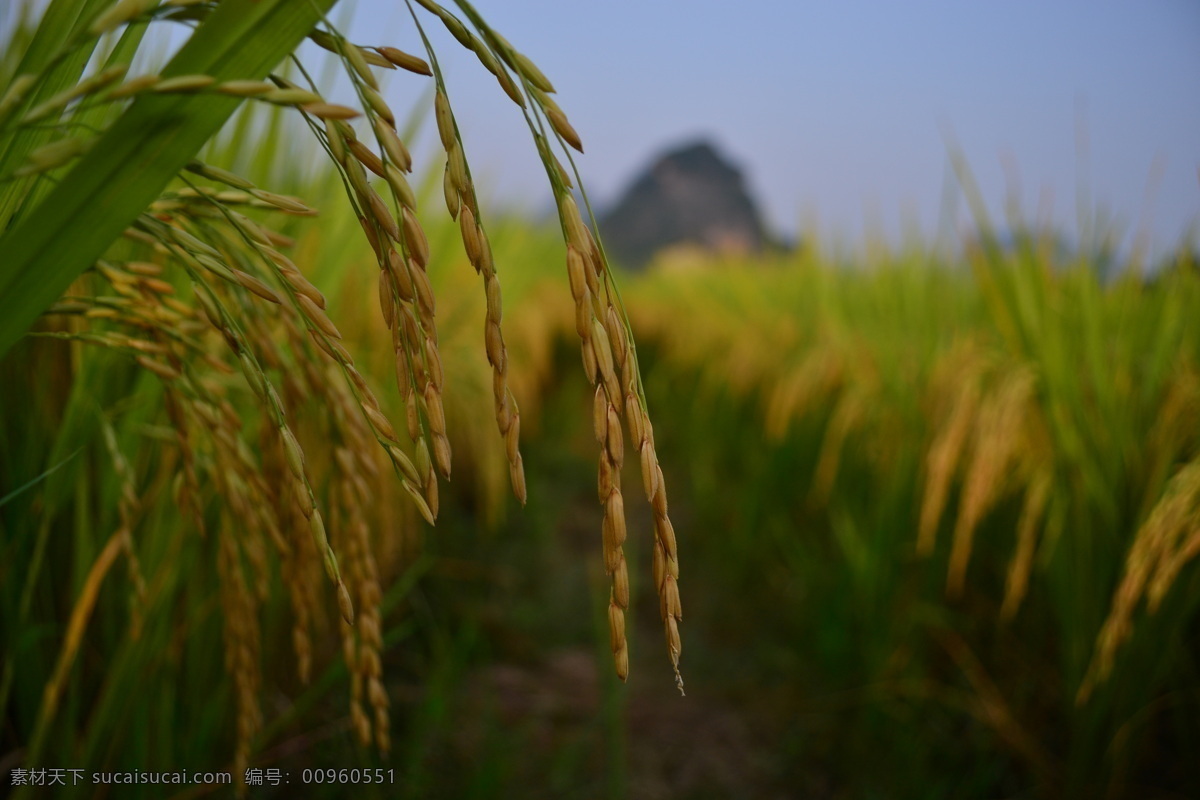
<point x="133" y="160"/>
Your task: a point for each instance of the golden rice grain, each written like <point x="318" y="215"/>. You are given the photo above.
<point x="414" y="238"/>
<point x="381" y="214"/>
<point x="615" y="442"/>
<point x="512" y="437"/>
<point x="358" y="62"/>
<point x="441" y="453"/>
<point x="491" y="286"/>
<point x="572" y="223"/>
<point x="456" y="28"/>
<point x="433" y="363"/>
<point x="621" y="660"/>
<point x="470" y="235"/>
<point x="292" y="205"/>
<point x="295" y="455"/>
<point x="495" y="346"/>
<point x="344" y="603"/>
<point x="575" y="272"/>
<point x="649" y="463"/>
<point x="331" y="111"/>
<point x="674" y="644"/>
<point x="636" y="420"/>
<point x="453" y="202"/>
<point x="445" y="121"/>
<point x="366" y="157"/>
<point x="558" y="120"/>
<point x="302" y="286"/>
<point x="405" y="60"/>
<point x="412" y="472"/>
<point x="516" y="473"/>
<point x="616" y="626"/>
<point x="665" y="532"/>
<point x="424" y="292"/>
<point x="393" y="145"/>
<point x="456" y="165"/>
<point x="420" y="502"/>
<point x="509" y="86"/>
<point x="380" y="423"/>
<point x="398" y="271"/>
<point x="400" y="186"/>
<point x="256" y="286"/>
<point x="531" y="73"/>
<point x="616" y="335"/>
<point x="589" y="361"/>
<point x="317" y="317"/>
<point x="659" y="500"/>
<point x="614" y="516"/>
<point x="378" y="106"/>
<point x="600" y="414"/>
<point x="434" y="412"/>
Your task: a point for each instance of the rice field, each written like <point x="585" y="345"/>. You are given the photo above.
<point x="290" y="488"/>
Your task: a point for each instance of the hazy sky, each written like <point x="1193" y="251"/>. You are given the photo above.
<point x="838" y="111"/>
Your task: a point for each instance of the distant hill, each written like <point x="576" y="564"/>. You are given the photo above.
<point x="690" y="196"/>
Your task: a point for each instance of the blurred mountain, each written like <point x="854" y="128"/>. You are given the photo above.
<point x="690" y="197"/>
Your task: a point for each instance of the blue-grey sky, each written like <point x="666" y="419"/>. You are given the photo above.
<point x="839" y="111"/>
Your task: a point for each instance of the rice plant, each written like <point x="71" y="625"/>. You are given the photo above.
<point x="191" y="400"/>
<point x="991" y="468"/>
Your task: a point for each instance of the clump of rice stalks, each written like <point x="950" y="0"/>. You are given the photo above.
<point x="196" y="287"/>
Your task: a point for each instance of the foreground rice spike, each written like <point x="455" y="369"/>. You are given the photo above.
<point x="607" y="349"/>
<point x="609" y="360"/>
<point x="666" y="554"/>
<point x="614" y="533"/>
<point x="463" y="204"/>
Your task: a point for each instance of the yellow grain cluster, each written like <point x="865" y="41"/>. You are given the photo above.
<point x="610" y="362"/>
<point x="463" y="205"/>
